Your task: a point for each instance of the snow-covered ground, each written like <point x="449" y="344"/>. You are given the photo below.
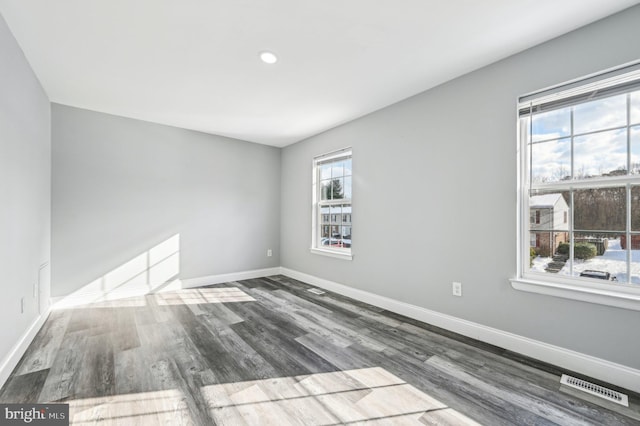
<point x="614" y="261"/>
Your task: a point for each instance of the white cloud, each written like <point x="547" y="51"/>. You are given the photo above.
<point x="551" y="124"/>
<point x="600" y="153"/>
<point x="600" y="114"/>
<point x="551" y="160"/>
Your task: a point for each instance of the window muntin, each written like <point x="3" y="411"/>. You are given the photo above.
<point x="583" y="151"/>
<point x="332" y="202"/>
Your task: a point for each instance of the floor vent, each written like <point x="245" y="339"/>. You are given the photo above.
<point x="316" y="291"/>
<point x="593" y="389"/>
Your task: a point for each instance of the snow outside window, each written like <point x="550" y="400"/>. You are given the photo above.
<point x="580" y="174"/>
<point x="332" y="212"/>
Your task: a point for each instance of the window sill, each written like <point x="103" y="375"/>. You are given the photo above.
<point x="332" y="253"/>
<point x="624" y="297"/>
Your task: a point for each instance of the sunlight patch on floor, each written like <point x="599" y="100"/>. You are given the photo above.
<point x="354" y="396"/>
<point x="204" y="295"/>
<point x="167" y="407"/>
<point x="360" y="396"/>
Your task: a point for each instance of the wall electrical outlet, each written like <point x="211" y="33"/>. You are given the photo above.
<point x="269" y="253"/>
<point x="22" y="305"/>
<point x="457" y="289"/>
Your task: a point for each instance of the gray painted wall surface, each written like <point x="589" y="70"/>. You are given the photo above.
<point x="122" y="186"/>
<point x="25" y="189"/>
<point x="434" y="198"/>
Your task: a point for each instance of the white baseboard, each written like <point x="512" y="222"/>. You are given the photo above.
<point x="225" y="278"/>
<point x="11" y="360"/>
<point x="596" y="368"/>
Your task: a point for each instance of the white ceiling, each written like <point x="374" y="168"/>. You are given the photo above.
<point x="194" y="63"/>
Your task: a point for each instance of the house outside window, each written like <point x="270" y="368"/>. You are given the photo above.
<point x="549" y="229"/>
<point x="580" y="189"/>
<point x="332" y="211"/>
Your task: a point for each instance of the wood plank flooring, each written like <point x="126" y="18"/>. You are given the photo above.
<point x="266" y="351"/>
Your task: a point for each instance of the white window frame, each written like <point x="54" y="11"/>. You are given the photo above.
<point x="316" y="221"/>
<point x="622" y="295"/>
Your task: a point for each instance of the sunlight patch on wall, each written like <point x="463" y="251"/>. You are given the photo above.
<point x="155" y="270"/>
<point x="204" y="295"/>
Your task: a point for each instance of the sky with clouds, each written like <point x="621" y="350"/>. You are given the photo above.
<point x="594" y="153"/>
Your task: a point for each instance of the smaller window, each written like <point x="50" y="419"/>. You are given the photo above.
<point x="537" y="217"/>
<point x="332" y="187"/>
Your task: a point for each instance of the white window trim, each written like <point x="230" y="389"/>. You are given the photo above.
<point x="331" y="253"/>
<point x="337" y="253"/>
<point x="592" y="291"/>
<point x="627" y="298"/>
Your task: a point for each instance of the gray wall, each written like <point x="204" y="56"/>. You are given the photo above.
<point x="25" y="190"/>
<point x="122" y="186"/>
<point x="435" y="198"/>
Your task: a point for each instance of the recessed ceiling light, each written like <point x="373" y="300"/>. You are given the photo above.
<point x="268" y="57"/>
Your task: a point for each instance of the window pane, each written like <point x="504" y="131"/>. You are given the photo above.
<point x="635" y="259"/>
<point x="325" y="171"/>
<point x="551" y="161"/>
<point x="600" y="209"/>
<point x="347" y="187"/>
<point x="346" y="232"/>
<point x="635" y="208"/>
<point x="337" y="189"/>
<point x="635" y="150"/>
<point x="335" y="235"/>
<point x="324" y="215"/>
<point x="347" y="167"/>
<point x="346" y="214"/>
<point x="635" y="107"/>
<point x="600" y="154"/>
<point x="325" y="190"/>
<point x="600" y="114"/>
<point x="599" y="256"/>
<point x="336" y="215"/>
<point x="324" y="236"/>
<point x="337" y="169"/>
<point x="346" y="236"/>
<point x="551" y="125"/>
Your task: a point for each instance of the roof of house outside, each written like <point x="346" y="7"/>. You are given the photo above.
<point x="544" y="201"/>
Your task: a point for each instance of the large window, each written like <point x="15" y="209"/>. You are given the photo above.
<point x="579" y="212"/>
<point x="332" y="229"/>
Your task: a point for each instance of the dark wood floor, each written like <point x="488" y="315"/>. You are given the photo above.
<point x="267" y="351"/>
